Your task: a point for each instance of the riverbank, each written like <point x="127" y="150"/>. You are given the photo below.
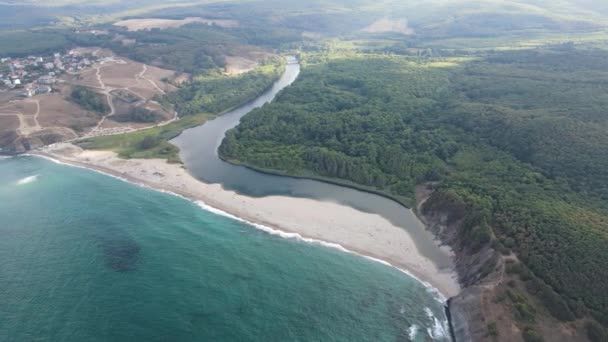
<point x="364" y="233"/>
<point x="404" y="201"/>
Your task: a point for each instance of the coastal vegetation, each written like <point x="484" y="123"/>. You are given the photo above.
<point x="138" y="114"/>
<point x="89" y="100"/>
<point x="513" y="140"/>
<point x="148" y="143"/>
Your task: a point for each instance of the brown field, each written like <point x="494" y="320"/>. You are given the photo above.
<point x="245" y="61"/>
<point x="6" y="96"/>
<point x="87" y="50"/>
<point x="150" y="23"/>
<point x="56" y="111"/>
<point x="121" y="73"/>
<point x="129" y="76"/>
<point x="48" y="118"/>
<point x="239" y="65"/>
<point x="8" y="123"/>
<point x="8" y="129"/>
<point x="87" y="78"/>
<point x="25" y="107"/>
<point x="387" y="25"/>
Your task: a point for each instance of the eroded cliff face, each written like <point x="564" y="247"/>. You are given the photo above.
<point x="483" y="311"/>
<point x="477" y="271"/>
<point x="12" y="143"/>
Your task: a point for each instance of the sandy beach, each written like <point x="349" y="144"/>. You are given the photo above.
<point x="364" y="233"/>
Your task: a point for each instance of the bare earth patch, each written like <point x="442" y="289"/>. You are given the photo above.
<point x="86" y="78"/>
<point x="124" y="84"/>
<point x="56" y="111"/>
<point x="143" y="81"/>
<point x="8" y="129"/>
<point x="148" y="24"/>
<point x="23" y="107"/>
<point x="8" y="123"/>
<point x="388" y="25"/>
<point x="244" y="62"/>
<point x="239" y="65"/>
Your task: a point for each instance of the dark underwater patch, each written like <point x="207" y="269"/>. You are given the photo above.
<point x="121" y="255"/>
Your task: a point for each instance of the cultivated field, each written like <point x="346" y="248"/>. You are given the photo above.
<point x="151" y="23"/>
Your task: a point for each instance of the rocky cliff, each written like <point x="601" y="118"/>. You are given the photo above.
<point x="487" y="307"/>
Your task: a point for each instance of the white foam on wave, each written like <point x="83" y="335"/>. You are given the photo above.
<point x="437" y="295"/>
<point x="412" y="331"/>
<point x="296" y="236"/>
<point x="438" y="330"/>
<point x="27" y="180"/>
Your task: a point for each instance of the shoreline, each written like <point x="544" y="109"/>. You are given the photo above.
<point x="352" y="231"/>
<point x="403" y="201"/>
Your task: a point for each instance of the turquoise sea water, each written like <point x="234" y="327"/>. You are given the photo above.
<point x="86" y="257"/>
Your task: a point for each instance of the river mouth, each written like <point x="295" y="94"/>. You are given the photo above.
<point x="198" y="150"/>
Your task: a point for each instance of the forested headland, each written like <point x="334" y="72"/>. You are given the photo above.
<point x="516" y="139"/>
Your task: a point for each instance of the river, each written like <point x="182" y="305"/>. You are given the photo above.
<point x="199" y="152"/>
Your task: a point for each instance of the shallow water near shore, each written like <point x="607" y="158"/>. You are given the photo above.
<point x="89" y="257"/>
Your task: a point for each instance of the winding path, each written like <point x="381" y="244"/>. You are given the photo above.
<point x="141" y="76"/>
<point x="25" y="128"/>
<point x="107" y="91"/>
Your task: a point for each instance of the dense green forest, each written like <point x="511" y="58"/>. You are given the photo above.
<point x="283" y="24"/>
<point x="193" y="48"/>
<point x="89" y="100"/>
<point x="138" y="114"/>
<point x="215" y="94"/>
<point x="23" y="43"/>
<point x="516" y="140"/>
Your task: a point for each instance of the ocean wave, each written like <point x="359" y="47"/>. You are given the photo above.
<point x="27" y="180"/>
<point x="438" y="330"/>
<point x="412" y="331"/>
<point x="436" y="294"/>
<point x="296" y="236"/>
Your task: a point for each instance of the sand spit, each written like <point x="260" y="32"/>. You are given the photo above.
<point x="364" y="233"/>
